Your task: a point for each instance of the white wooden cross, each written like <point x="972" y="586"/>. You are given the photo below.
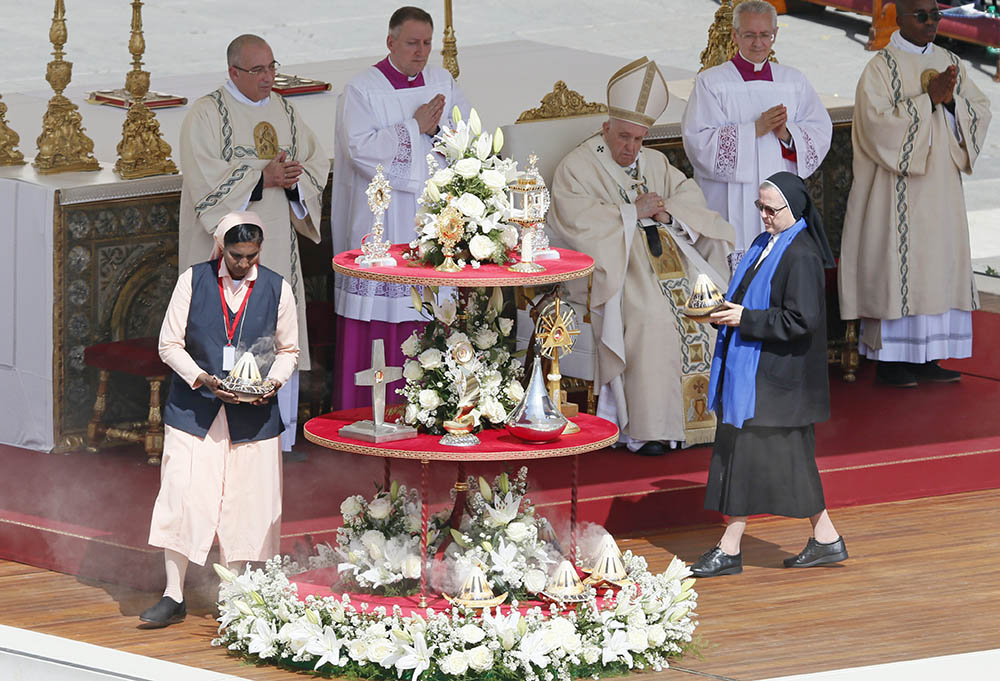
<point x="377" y="377"/>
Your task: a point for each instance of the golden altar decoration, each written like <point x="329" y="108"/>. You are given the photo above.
<point x="449" y="49"/>
<point x="557" y="332"/>
<point x="142" y="151"/>
<point x="9" y="155"/>
<point x="62" y="146"/>
<point x="562" y="102"/>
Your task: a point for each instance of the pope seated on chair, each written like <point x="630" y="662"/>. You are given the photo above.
<point x="649" y="232"/>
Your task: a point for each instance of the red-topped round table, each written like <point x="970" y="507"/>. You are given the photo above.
<point x="495" y="445"/>
<point x="570" y="265"/>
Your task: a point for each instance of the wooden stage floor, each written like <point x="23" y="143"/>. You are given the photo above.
<point x="922" y="581"/>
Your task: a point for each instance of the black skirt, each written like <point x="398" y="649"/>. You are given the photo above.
<point x="764" y="470"/>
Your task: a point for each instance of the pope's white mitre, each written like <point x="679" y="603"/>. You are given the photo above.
<point x="637" y="93"/>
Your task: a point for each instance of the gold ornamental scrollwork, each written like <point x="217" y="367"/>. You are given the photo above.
<point x="62" y="146"/>
<point x="141" y="151"/>
<point x="9" y="155"/>
<point x="720" y="47"/>
<point x="562" y="103"/>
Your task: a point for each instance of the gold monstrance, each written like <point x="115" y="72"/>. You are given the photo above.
<point x="374" y="251"/>
<point x="141" y="151"/>
<point x="62" y="146"/>
<point x="556" y="328"/>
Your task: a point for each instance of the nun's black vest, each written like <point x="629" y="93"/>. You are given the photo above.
<point x="193" y="411"/>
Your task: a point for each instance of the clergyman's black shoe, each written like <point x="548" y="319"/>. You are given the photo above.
<point x="896" y="374"/>
<point x="652" y="448"/>
<point x="717" y="562"/>
<point x="930" y="371"/>
<point x="819" y="554"/>
<point x="167" y="611"/>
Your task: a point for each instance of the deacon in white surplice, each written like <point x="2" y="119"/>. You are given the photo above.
<point x="747" y="119"/>
<point x="243" y="147"/>
<point x="905" y="264"/>
<point x="387" y="115"/>
<point x="650" y="234"/>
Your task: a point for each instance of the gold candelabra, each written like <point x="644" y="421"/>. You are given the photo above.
<point x="9" y="155"/>
<point x="62" y="146"/>
<point x="449" y="49"/>
<point x="141" y="151"/>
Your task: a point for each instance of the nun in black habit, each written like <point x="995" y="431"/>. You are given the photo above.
<point x="769" y="382"/>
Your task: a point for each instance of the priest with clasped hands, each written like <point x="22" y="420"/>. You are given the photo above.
<point x="650" y="234"/>
<point x="920" y="123"/>
<point x="387" y="115"/>
<point x="244" y="147"/>
<point x="747" y="119"/>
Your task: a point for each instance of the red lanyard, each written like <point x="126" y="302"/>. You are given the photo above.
<point x="230" y="330"/>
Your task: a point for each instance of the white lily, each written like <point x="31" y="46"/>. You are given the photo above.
<point x="534" y="649"/>
<point x="505" y="509"/>
<point x="456" y="114"/>
<point x="262" y="638"/>
<point x="503" y="558"/>
<point x="446" y="312"/>
<point x="299" y="633"/>
<point x="431" y="192"/>
<point x="416" y="656"/>
<point x="475" y="125"/>
<point x="483" y="145"/>
<point x="328" y="647"/>
<point x="497" y="141"/>
<point x="616" y="647"/>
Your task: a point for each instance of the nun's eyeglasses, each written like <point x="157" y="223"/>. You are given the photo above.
<point x="767" y="210"/>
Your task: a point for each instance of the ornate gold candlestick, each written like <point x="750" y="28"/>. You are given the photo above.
<point x="9" y="155"/>
<point x="62" y="146"/>
<point x="449" y="50"/>
<point x="141" y="151"/>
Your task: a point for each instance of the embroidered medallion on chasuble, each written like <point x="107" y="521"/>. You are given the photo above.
<point x="696" y="359"/>
<point x="265" y="140"/>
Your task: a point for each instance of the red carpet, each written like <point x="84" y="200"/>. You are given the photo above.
<point x="88" y="514"/>
<point x="985" y="361"/>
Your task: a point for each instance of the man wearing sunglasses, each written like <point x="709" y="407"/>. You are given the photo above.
<point x="905" y="264"/>
<point x="747" y="119"/>
<point x="243" y="147"/>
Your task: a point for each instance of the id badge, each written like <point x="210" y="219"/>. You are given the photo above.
<point x="228" y="357"/>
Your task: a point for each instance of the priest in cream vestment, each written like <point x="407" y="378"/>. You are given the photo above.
<point x="650" y="234"/>
<point x="243" y="147"/>
<point x="905" y="265"/>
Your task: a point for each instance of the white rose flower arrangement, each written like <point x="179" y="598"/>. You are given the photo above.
<point x="462" y="338"/>
<point x="378" y="546"/>
<point x="467" y="198"/>
<point x="502" y="533"/>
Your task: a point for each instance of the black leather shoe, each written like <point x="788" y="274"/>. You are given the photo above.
<point x="819" y="554"/>
<point x="167" y="611"/>
<point x="896" y="374"/>
<point x="717" y="562"/>
<point x="652" y="448"/>
<point x="930" y="371"/>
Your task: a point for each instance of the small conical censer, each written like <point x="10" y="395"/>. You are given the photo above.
<point x="565" y="586"/>
<point x="476" y="592"/>
<point x="608" y="568"/>
<point x="705" y="299"/>
<point x="244" y="380"/>
<point x="535" y="418"/>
